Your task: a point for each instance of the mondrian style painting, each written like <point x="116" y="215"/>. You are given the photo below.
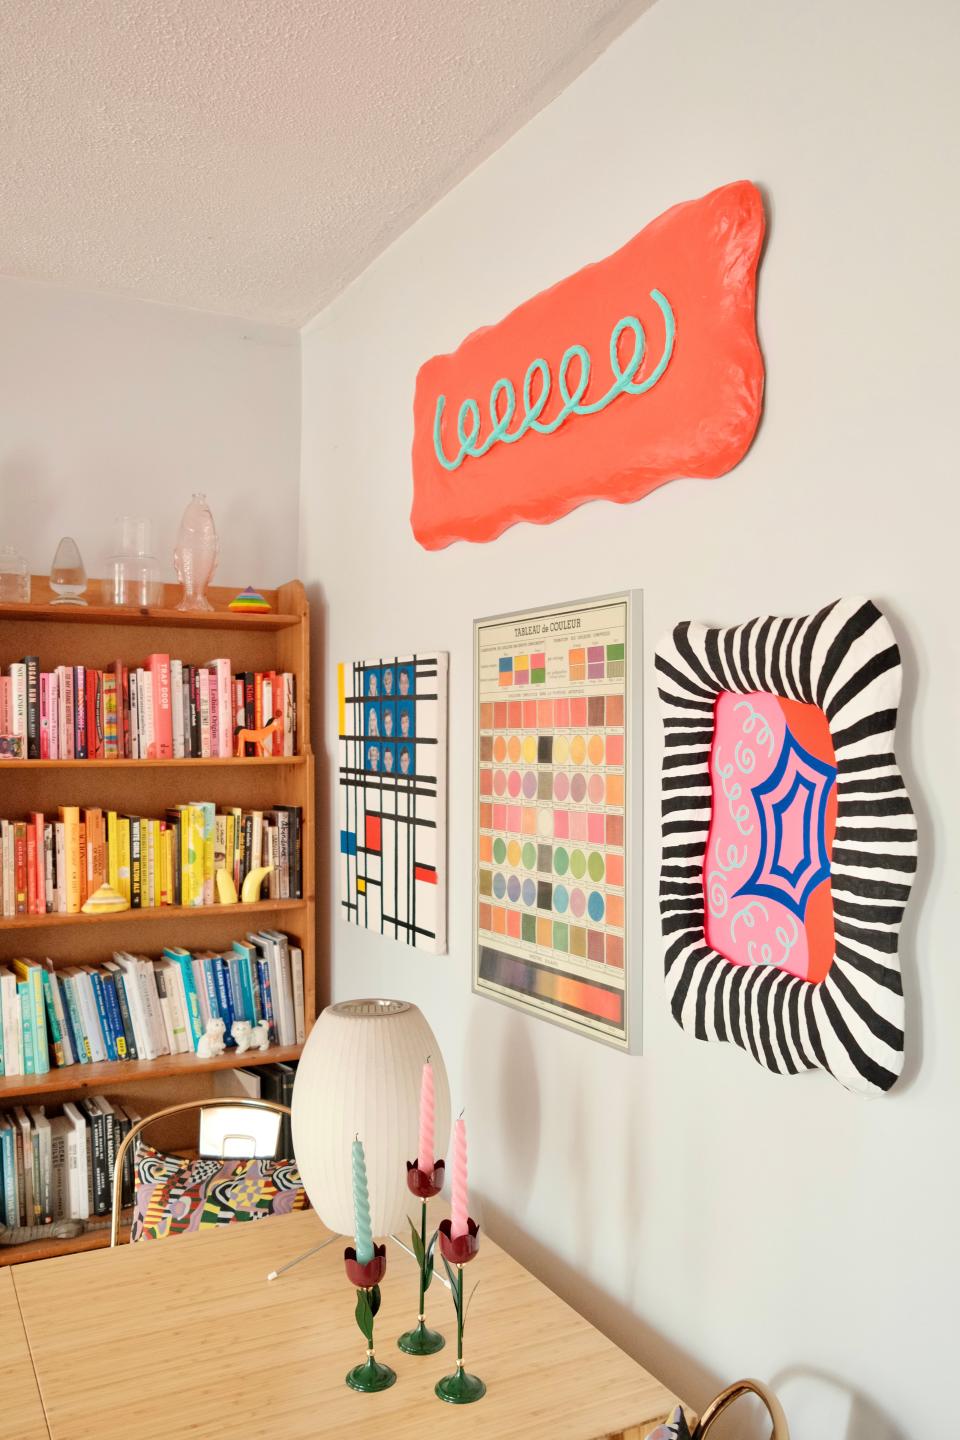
<point x="553" y="861"/>
<point x="392" y="781"/>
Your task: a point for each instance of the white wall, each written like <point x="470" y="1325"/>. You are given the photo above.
<point x="715" y="1219"/>
<point x="113" y="406"/>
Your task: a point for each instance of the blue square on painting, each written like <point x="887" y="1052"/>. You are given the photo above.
<point x="372" y="683"/>
<point x="372" y="758"/>
<point x="388" y="720"/>
<point x="406" y="719"/>
<point x="348" y="842"/>
<point x="388" y="681"/>
<point x="506" y="664"/>
<point x="388" y="758"/>
<point x="406" y="759"/>
<point x="371" y="720"/>
<point x="406" y="684"/>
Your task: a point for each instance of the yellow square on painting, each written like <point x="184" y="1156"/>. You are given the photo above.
<point x="361" y="887"/>
<point x="521" y="662"/>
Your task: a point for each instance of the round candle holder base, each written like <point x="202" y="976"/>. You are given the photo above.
<point x="421" y="1341"/>
<point x="460" y="1388"/>
<point x="371" y="1376"/>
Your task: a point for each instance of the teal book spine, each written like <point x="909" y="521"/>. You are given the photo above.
<point x="185" y="962"/>
<point x="41" y="1055"/>
<point x="76" y="1020"/>
<point x="26" y="1026"/>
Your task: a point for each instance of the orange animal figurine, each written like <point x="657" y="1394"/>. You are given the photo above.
<point x="256" y="737"/>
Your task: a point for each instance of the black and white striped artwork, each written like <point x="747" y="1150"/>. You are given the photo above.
<point x="789" y="840"/>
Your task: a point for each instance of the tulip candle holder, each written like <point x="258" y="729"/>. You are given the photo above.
<point x="370" y="1375"/>
<point x="424" y="1184"/>
<point x="460" y="1388"/>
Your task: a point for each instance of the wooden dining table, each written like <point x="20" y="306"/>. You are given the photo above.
<point x="188" y="1337"/>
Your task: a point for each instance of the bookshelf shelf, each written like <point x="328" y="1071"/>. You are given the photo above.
<point x="19" y="767"/>
<point x="95" y="1237"/>
<point x="78" y="1078"/>
<point x="97" y="636"/>
<point x="174" y="914"/>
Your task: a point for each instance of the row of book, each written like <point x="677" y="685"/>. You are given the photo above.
<point x="134" y="1008"/>
<point x="61" y="1165"/>
<point x="54" y="866"/>
<point x="164" y="709"/>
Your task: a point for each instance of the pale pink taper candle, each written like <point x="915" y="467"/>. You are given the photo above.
<point x="458" y="1198"/>
<point x="425" y="1156"/>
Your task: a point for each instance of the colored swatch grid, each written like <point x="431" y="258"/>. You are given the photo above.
<point x="551" y="850"/>
<point x="523" y="669"/>
<point x="596" y="662"/>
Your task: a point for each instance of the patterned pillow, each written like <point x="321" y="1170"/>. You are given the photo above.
<point x="675" y="1428"/>
<point x="175" y="1195"/>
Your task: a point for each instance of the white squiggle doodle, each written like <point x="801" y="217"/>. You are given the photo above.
<point x="765" y="735"/>
<point x="748" y="917"/>
<point x="745" y="758"/>
<point x="717" y="897"/>
<point x="739" y="814"/>
<point x="766" y="951"/>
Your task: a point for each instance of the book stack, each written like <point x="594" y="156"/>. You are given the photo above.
<point x="52" y="867"/>
<point x="61" y="1166"/>
<point x="164" y="709"/>
<point x="135" y="1008"/>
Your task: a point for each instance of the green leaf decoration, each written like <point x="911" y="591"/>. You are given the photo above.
<point x="428" y="1264"/>
<point x="466" y="1309"/>
<point x="375" y="1299"/>
<point x="417" y="1242"/>
<point x="364" y="1315"/>
<point x="454" y="1286"/>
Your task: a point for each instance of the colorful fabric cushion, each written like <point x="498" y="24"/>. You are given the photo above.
<point x="175" y="1195"/>
<point x="675" y="1429"/>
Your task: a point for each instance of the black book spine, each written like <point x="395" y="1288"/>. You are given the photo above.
<point x="32" y="663"/>
<point x="126" y="1019"/>
<point x="110" y="1147"/>
<point x="247" y="847"/>
<point x="135" y="840"/>
<point x="187" y="690"/>
<point x="287" y="1078"/>
<point x="249" y="706"/>
<point x="195" y="745"/>
<point x="98" y="1137"/>
<point x="177" y="866"/>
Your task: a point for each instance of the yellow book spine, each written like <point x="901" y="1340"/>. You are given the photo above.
<point x="208" y="826"/>
<point x="123" y="857"/>
<point x="70" y="815"/>
<point x="166" y="867"/>
<point x="156" y="853"/>
<point x="113" y="871"/>
<point x="230" y="842"/>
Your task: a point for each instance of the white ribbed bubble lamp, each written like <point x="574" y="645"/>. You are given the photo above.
<point x="359" y="1074"/>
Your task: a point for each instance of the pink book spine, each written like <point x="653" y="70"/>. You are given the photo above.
<point x="55" y="716"/>
<point x="225" y="689"/>
<point x="162" y="709"/>
<point x="6" y="686"/>
<point x="214" y="714"/>
<point x="66" y="713"/>
<point x="44" y="716"/>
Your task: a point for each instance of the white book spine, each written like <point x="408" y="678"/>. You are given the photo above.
<point x="83" y="989"/>
<point x="151" y="1005"/>
<point x="299" y="1009"/>
<point x="131" y="986"/>
<point x="26" y="1138"/>
<point x="77" y="1156"/>
<point x="18" y="697"/>
<point x="148" y="742"/>
<point x="176" y="707"/>
<point x="60" y="1128"/>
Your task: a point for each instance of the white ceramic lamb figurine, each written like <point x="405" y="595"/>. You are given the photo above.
<point x="211" y="1044"/>
<point x="249" y="1037"/>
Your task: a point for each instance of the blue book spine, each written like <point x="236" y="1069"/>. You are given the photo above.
<point x="11" y="1207"/>
<point x="105" y="1026"/>
<point x="129" y="1034"/>
<point x="80" y="1047"/>
<point x="266" y="995"/>
<point x="252" y="1009"/>
<point x="184" y="961"/>
<point x="211" y="988"/>
<point x="223" y="998"/>
<point x="26" y="1026"/>
<point x="237" y="998"/>
<point x="114" y="1016"/>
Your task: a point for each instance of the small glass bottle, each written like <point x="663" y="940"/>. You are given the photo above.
<point x="14" y="577"/>
<point x="68" y="578"/>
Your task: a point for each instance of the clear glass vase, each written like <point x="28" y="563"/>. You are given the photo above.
<point x="14" y="577"/>
<point x="196" y="554"/>
<point x="68" y="576"/>
<point x="133" y="577"/>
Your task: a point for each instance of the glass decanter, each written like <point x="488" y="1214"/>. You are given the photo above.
<point x="196" y="554"/>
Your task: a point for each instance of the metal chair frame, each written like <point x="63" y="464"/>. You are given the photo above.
<point x="734" y="1392"/>
<point x="180" y="1109"/>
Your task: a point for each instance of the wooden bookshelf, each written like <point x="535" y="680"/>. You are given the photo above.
<point x="97" y="635"/>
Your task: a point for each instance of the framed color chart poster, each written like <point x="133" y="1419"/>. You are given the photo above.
<point x="392" y="783"/>
<point x="553" y="919"/>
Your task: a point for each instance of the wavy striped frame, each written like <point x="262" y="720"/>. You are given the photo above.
<point x="844" y="659"/>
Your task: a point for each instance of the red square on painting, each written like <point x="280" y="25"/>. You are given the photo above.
<point x="372" y="838"/>
<point x="514" y="714"/>
<point x="500" y="715"/>
<point x="530" y="714"/>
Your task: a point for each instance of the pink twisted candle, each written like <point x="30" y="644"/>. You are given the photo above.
<point x="425" y="1156"/>
<point x="458" y="1199"/>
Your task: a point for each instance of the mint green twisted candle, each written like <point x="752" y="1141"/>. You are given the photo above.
<point x="361" y="1206"/>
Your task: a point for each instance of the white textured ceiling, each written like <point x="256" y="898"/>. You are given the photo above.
<point x="253" y="156"/>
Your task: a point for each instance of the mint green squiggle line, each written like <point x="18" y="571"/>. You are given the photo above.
<point x="469" y="423"/>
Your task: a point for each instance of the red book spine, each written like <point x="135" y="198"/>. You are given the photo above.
<point x="39" y="891"/>
<point x="125" y="692"/>
<point x="162" y="709"/>
<point x="92" y="720"/>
